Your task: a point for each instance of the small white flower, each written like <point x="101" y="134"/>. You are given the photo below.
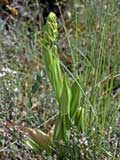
<point x="2" y="74"/>
<point x="16" y="89"/>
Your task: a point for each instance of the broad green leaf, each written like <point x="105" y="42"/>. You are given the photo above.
<point x="54" y="73"/>
<point x="80" y="119"/>
<point x="57" y="77"/>
<point x="75" y="102"/>
<point x="32" y="144"/>
<point x="59" y="129"/>
<point x="39" y="137"/>
<point x="66" y="96"/>
<point x="67" y="123"/>
<point x="62" y="128"/>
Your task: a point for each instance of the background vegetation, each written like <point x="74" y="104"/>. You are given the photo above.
<point x="89" y="46"/>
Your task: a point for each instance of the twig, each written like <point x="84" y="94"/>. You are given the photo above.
<point x="115" y="150"/>
<point x="48" y="120"/>
<point x="1" y="150"/>
<point x="108" y="78"/>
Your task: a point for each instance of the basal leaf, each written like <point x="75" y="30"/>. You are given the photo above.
<point x="66" y="96"/>
<point x="62" y="128"/>
<point x="59" y="129"/>
<point x="80" y="119"/>
<point x="32" y="144"/>
<point x="75" y="102"/>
